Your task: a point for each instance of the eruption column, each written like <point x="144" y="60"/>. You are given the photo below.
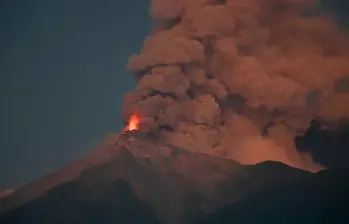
<point x="239" y="79"/>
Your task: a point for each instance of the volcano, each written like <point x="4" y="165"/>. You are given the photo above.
<point x="220" y="127"/>
<point x="134" y="178"/>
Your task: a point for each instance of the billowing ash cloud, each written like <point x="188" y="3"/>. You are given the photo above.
<point x="239" y="79"/>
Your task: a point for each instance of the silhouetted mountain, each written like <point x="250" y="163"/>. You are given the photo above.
<point x="144" y="182"/>
<point x="71" y="203"/>
<point x="321" y="198"/>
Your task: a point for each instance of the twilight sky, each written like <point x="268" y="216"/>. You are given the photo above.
<point x="63" y="75"/>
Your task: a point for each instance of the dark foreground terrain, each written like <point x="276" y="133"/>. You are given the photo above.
<point x="174" y="186"/>
<point x="323" y="198"/>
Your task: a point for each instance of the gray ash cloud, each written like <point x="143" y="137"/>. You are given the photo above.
<point x="239" y="79"/>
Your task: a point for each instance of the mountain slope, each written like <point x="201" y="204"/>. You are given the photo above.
<point x="163" y="184"/>
<point x="71" y="204"/>
<point x="323" y="198"/>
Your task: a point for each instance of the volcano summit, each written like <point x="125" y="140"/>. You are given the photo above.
<point x="143" y="181"/>
<point x="239" y="116"/>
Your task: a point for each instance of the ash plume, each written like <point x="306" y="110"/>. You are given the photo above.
<point x="240" y="79"/>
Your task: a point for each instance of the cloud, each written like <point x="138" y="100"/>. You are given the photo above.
<point x="239" y="79"/>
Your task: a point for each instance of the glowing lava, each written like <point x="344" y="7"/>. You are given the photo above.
<point x="133" y="123"/>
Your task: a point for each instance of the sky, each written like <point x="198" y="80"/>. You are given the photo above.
<point x="63" y="75"/>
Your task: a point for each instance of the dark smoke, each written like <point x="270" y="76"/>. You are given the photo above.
<point x="240" y="79"/>
<point x="327" y="145"/>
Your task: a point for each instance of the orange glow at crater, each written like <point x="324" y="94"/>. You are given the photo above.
<point x="133" y="123"/>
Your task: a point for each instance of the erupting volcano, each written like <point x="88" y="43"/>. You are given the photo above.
<point x="133" y="123"/>
<point x="233" y="95"/>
